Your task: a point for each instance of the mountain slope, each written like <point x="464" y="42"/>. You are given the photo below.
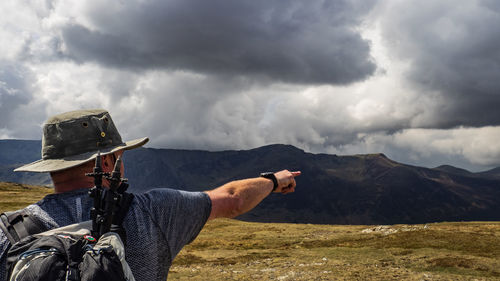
<point x="358" y="189"/>
<point x="14" y="153"/>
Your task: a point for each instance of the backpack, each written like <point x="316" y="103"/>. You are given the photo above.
<point x="87" y="251"/>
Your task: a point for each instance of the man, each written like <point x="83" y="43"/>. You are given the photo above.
<point x="160" y="222"/>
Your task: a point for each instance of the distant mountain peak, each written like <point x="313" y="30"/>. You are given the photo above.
<point x="451" y="169"/>
<point x="278" y="147"/>
<point x="375" y="155"/>
<point x="380" y="159"/>
<point x="495" y="172"/>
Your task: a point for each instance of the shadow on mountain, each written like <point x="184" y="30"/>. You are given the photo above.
<point x="358" y="189"/>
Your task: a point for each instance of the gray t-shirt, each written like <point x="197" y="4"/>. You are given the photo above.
<point x="159" y="223"/>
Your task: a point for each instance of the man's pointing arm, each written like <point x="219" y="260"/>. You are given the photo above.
<point x="238" y="197"/>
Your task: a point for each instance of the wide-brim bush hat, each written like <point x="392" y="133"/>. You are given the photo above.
<point x="73" y="138"/>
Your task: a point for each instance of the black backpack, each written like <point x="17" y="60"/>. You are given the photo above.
<point x="87" y="251"/>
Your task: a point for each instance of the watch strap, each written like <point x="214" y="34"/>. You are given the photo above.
<point x="271" y="176"/>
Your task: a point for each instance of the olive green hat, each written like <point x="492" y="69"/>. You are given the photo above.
<point x="73" y="138"/>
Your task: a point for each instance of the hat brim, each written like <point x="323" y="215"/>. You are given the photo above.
<point x="54" y="165"/>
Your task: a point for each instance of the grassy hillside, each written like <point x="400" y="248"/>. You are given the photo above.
<point x="235" y="250"/>
<point x="15" y="196"/>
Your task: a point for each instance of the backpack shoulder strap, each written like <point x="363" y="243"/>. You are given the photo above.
<point x="119" y="216"/>
<point x="7" y="228"/>
<point x="19" y="224"/>
<point x="122" y="211"/>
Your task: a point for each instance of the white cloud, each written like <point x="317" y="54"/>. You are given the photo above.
<point x="472" y="148"/>
<point x="477" y="145"/>
<point x="451" y="49"/>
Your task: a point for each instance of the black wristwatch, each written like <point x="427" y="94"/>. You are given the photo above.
<point x="271" y="176"/>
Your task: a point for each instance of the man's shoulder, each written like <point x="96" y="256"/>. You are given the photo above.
<point x="167" y="195"/>
<point x="168" y="200"/>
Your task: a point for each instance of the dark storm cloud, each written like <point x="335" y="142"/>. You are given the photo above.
<point x="454" y="49"/>
<point x="16" y="93"/>
<point x="294" y="41"/>
<point x="13" y="92"/>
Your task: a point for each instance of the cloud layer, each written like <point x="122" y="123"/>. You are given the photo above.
<point x="293" y="41"/>
<point x="454" y="50"/>
<point x="414" y="80"/>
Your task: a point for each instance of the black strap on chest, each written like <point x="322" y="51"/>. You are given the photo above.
<point x="110" y="204"/>
<point x="19" y="224"/>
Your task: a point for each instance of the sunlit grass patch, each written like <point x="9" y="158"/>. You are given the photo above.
<point x="462" y="265"/>
<point x="235" y="250"/>
<point x="14" y="196"/>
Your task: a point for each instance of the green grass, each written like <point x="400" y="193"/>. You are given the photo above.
<point x="235" y="250"/>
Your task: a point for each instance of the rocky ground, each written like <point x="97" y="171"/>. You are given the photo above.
<point x="235" y="250"/>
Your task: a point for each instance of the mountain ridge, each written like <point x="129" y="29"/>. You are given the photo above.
<point x="333" y="189"/>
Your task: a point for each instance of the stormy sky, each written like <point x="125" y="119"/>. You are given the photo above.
<point x="416" y="80"/>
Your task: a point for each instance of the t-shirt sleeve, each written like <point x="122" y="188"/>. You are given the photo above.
<point x="179" y="214"/>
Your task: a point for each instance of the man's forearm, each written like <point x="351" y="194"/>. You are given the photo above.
<point x="251" y="192"/>
<point x="238" y="197"/>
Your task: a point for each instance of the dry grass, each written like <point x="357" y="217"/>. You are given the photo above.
<point x="15" y="196"/>
<point x="235" y="250"/>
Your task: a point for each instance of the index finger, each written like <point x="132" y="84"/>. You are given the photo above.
<point x="296" y="174"/>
